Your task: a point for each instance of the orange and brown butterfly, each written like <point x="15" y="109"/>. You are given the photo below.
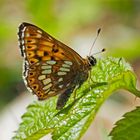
<point x="51" y="67"/>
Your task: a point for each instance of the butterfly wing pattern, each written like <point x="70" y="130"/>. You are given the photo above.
<point x="50" y="67"/>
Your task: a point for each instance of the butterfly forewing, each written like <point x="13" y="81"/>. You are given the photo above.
<point x="50" y="67"/>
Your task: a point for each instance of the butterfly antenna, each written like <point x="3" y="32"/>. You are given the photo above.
<point x="98" y="32"/>
<point x="99" y="51"/>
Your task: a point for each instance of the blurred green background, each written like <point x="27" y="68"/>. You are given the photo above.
<point x="72" y="22"/>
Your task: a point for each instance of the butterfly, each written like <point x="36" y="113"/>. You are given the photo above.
<point x="50" y="67"/>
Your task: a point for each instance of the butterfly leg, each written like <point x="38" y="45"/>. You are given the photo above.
<point x="75" y="92"/>
<point x="90" y="80"/>
<point x="96" y="84"/>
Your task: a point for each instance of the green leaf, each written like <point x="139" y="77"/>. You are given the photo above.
<point x="70" y="123"/>
<point x="128" y="128"/>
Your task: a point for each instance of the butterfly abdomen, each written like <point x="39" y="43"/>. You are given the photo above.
<point x="63" y="98"/>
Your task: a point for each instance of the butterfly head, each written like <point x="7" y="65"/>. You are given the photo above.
<point x="92" y="60"/>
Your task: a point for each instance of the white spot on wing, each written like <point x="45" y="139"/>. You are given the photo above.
<point x="60" y="79"/>
<point x="65" y="65"/>
<point x="46" y="91"/>
<point x="38" y="35"/>
<point x="46" y="71"/>
<point x="47" y="86"/>
<point x="64" y="69"/>
<point x="41" y="77"/>
<point x="46" y="81"/>
<point x="27" y="35"/>
<point x="67" y="84"/>
<point x="39" y="31"/>
<point x="61" y="73"/>
<point x="60" y="86"/>
<point x="51" y="62"/>
<point x="68" y="62"/>
<point x="22" y="41"/>
<point x="46" y="67"/>
<point x="50" y="38"/>
<point x="23" y="30"/>
<point x="51" y="92"/>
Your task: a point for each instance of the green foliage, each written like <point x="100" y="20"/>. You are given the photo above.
<point x="128" y="128"/>
<point x="63" y="17"/>
<point x="42" y="13"/>
<point x="6" y="32"/>
<point x="117" y="49"/>
<point x="70" y="123"/>
<point x="8" y="89"/>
